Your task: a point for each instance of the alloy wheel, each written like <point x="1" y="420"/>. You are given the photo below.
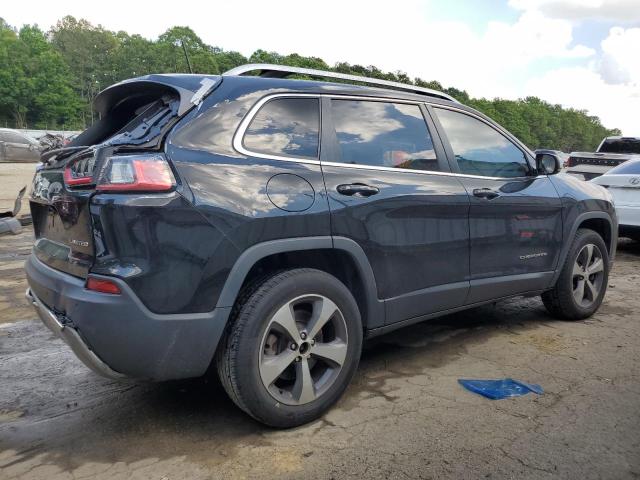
<point x="303" y="349"/>
<point x="588" y="275"/>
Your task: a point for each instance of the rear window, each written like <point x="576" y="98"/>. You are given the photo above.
<point x="627" y="168"/>
<point x="288" y="127"/>
<point x="620" y="145"/>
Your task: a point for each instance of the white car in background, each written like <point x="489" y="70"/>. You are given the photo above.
<point x="623" y="182"/>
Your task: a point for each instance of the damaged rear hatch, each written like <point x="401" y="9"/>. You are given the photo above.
<point x="135" y="116"/>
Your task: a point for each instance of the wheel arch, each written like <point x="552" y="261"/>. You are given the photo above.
<point x="601" y="223"/>
<point x="339" y="256"/>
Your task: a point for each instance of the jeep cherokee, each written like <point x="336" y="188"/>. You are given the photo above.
<point x="262" y="226"/>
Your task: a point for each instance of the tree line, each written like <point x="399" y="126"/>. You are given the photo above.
<point x="48" y="80"/>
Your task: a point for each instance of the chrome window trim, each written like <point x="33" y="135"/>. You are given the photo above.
<point x="248" y="118"/>
<point x="244" y="124"/>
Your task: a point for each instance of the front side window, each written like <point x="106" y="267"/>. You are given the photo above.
<point x="479" y="149"/>
<point x="288" y="127"/>
<point x="383" y="134"/>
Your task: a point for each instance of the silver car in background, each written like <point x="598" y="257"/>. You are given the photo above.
<point x="16" y="147"/>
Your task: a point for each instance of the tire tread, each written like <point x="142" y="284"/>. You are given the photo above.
<point x="559" y="300"/>
<point x="241" y="314"/>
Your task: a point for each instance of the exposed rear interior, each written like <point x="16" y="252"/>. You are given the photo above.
<point x="138" y="105"/>
<point x="133" y="116"/>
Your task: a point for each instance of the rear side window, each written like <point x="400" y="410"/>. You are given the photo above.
<point x="480" y="149"/>
<point x="383" y="134"/>
<point x="288" y="127"/>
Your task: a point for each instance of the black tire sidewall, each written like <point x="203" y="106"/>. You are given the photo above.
<point x="249" y="385"/>
<point x="583" y="238"/>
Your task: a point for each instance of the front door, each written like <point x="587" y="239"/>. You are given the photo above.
<point x="515" y="219"/>
<point x="383" y="174"/>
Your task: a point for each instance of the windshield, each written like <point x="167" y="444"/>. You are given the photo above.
<point x="621" y="145"/>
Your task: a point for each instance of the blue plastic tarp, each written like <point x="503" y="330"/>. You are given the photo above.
<point x="499" y="389"/>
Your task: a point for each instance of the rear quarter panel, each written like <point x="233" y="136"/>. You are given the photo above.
<point x="229" y="189"/>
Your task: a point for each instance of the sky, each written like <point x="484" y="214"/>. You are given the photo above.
<point x="583" y="54"/>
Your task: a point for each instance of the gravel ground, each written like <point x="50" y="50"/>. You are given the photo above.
<point x="14" y="176"/>
<point x="404" y="416"/>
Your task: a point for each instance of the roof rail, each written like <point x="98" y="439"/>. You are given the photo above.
<point x="282" y="71"/>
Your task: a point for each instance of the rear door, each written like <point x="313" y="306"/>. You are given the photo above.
<point x="515" y="219"/>
<point x="385" y="174"/>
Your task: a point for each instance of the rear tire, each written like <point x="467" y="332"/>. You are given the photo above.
<point x="582" y="284"/>
<point x="292" y="347"/>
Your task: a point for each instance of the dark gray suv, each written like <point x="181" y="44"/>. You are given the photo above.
<point x="262" y="227"/>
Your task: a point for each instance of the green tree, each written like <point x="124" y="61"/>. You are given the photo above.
<point x="135" y="56"/>
<point x="88" y="51"/>
<point x="35" y="87"/>
<point x="48" y="81"/>
<point x="178" y="40"/>
<point x="227" y="60"/>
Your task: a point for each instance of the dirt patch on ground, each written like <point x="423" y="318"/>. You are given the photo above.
<point x="14" y="250"/>
<point x="14" y="176"/>
<point x="405" y="416"/>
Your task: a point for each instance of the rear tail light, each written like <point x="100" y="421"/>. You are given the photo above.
<point x="79" y="172"/>
<point x="571" y="162"/>
<point x="140" y="173"/>
<point x="102" y="286"/>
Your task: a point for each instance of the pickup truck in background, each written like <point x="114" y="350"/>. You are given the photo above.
<point x="612" y="152"/>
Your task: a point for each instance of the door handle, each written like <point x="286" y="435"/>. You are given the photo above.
<point x="357" y="189"/>
<point x="487" y="193"/>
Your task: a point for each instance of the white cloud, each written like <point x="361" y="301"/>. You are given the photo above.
<point x="621" y="56"/>
<point x="532" y="37"/>
<point x="583" y="88"/>
<point x="607" y="86"/>
<point x="490" y="64"/>
<point x="617" y="10"/>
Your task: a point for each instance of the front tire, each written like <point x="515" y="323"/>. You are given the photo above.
<point x="582" y="284"/>
<point x="292" y="347"/>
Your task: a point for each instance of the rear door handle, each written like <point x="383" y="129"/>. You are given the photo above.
<point x="357" y="189"/>
<point x="487" y="193"/>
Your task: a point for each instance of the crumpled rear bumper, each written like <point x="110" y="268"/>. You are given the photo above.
<point x="71" y="337"/>
<point x="116" y="335"/>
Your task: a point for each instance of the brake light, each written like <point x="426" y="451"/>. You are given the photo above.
<point x="79" y="172"/>
<point x="571" y="162"/>
<point x="141" y="173"/>
<point x="102" y="286"/>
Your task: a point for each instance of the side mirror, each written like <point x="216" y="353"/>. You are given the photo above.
<point x="548" y="163"/>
